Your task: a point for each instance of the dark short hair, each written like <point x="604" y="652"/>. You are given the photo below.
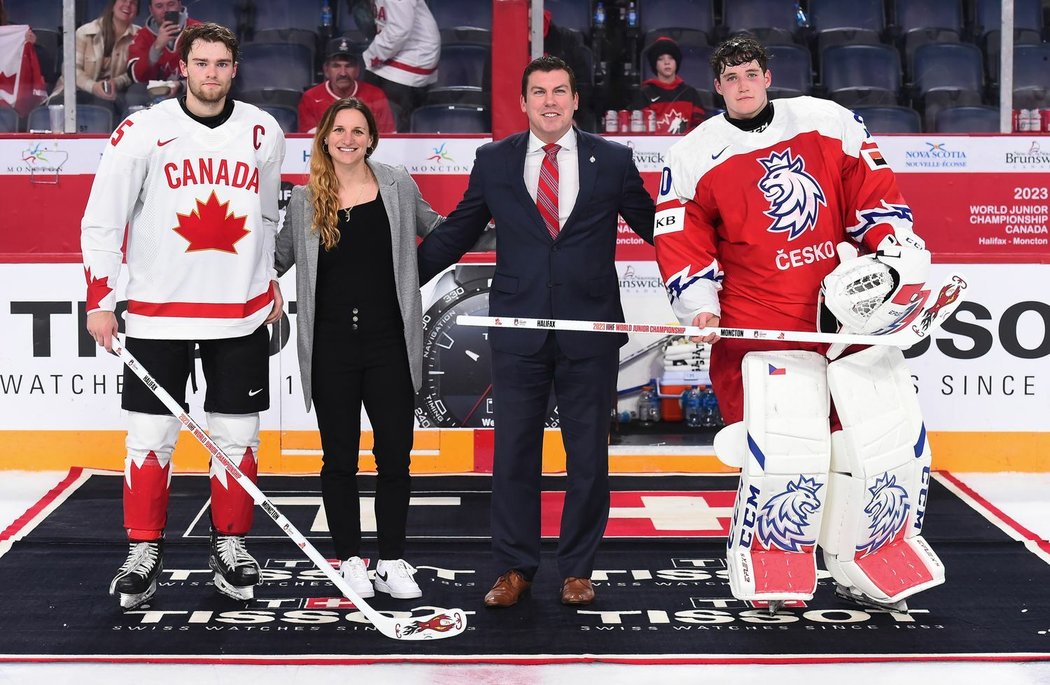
<point x="209" y="33"/>
<point x="739" y="49"/>
<point x="547" y="63"/>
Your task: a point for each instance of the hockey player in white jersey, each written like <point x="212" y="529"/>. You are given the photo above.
<point x="196" y="180"/>
<point x="761" y="210"/>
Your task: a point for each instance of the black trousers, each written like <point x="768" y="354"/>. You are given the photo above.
<point x="348" y="371"/>
<point x="403" y="98"/>
<point x="584" y="390"/>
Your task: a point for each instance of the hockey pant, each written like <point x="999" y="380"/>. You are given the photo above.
<point x="147" y="472"/>
<point x="860" y="492"/>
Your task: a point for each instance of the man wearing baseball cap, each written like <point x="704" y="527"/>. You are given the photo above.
<point x="677" y="104"/>
<point x="341" y="69"/>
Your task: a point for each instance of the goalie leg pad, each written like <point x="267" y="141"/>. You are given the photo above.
<point x="777" y="514"/>
<point x="872" y="538"/>
<point x="147" y="474"/>
<point x="238" y="436"/>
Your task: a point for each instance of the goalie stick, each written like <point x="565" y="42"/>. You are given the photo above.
<point x="924" y="320"/>
<point x="441" y="623"/>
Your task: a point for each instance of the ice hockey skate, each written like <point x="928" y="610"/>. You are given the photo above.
<point x="236" y="571"/>
<point x="136" y="581"/>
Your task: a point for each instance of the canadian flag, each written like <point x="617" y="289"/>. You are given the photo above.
<point x="21" y="83"/>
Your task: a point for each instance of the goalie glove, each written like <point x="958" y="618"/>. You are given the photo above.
<point x="877" y="293"/>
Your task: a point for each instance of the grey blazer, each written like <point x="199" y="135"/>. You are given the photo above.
<point x="410" y="216"/>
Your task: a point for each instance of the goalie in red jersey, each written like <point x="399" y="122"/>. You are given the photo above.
<point x="763" y="212"/>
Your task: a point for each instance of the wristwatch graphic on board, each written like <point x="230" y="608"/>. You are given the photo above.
<point x="457" y="363"/>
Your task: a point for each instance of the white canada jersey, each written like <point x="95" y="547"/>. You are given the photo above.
<point x="407" y="45"/>
<point x="201" y="208"/>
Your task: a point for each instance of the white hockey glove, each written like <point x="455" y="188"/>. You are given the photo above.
<point x="874" y="293"/>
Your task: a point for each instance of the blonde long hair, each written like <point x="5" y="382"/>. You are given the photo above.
<point x="323" y="184"/>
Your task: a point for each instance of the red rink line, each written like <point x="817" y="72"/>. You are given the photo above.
<point x="742" y="659"/>
<point x="59" y="490"/>
<point x="997" y="512"/>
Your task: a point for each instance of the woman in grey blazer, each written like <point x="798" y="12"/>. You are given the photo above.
<point x="352" y="231"/>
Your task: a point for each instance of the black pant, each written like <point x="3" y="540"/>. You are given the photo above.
<point x="404" y="99"/>
<point x="373" y="370"/>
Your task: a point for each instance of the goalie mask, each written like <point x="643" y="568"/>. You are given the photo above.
<point x="877" y="293"/>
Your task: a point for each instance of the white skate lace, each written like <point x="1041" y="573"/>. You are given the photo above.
<point x="142" y="557"/>
<point x="233" y="552"/>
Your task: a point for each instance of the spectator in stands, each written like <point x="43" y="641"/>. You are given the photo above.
<point x="154" y="54"/>
<point x="402" y="59"/>
<point x="102" y="54"/>
<point x="568" y="45"/>
<point x="341" y="71"/>
<point x="677" y="104"/>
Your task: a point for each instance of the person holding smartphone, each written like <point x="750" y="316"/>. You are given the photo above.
<point x="154" y="55"/>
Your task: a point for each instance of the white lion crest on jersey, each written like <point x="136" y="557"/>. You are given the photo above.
<point x="887" y="511"/>
<point x="794" y="196"/>
<point x="784" y="517"/>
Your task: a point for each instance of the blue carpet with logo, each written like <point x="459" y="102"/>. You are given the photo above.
<point x="660" y="578"/>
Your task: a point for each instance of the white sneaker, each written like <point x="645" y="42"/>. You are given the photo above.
<point x="355" y="573"/>
<point x="394" y="577"/>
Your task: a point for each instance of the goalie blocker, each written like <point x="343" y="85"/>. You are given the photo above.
<point x="860" y="492"/>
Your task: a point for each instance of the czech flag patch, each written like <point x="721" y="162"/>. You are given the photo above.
<point x="777" y="370"/>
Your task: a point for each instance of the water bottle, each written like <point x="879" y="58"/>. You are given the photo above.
<point x="648" y="407"/>
<point x="691" y="407"/>
<point x="326" y="19"/>
<point x="800" y="17"/>
<point x="632" y="16"/>
<point x="710" y="416"/>
<point x="599" y="15"/>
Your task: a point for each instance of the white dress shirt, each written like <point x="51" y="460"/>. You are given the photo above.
<point x="568" y="171"/>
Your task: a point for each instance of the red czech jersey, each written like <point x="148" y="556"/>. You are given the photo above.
<point x="747" y="222"/>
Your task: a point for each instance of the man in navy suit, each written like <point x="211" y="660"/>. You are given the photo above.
<point x="554" y="192"/>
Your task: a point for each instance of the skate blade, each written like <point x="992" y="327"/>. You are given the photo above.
<point x="238" y="592"/>
<point x="135" y="600"/>
<point x="774" y="606"/>
<point x="900" y="606"/>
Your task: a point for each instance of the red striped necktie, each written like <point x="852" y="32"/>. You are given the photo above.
<point x="547" y="190"/>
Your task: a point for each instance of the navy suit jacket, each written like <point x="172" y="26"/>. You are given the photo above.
<point x="570" y="277"/>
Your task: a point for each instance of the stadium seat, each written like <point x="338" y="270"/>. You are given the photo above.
<point x="450" y="119"/>
<point x="570" y="14"/>
<point x="1028" y="27"/>
<point x="304" y="37"/>
<point x="695" y="68"/>
<point x="451" y="13"/>
<point x="226" y="14"/>
<point x="459" y="95"/>
<point x="90" y="119"/>
<point x="772" y="21"/>
<point x="463" y="65"/>
<point x="1032" y="76"/>
<point x="466" y="35"/>
<point x="890" y="119"/>
<point x="287" y="117"/>
<point x="979" y="119"/>
<point x="287" y="14"/>
<point x="858" y="22"/>
<point x="271" y="97"/>
<point x="696" y="15"/>
<point x="274" y="65"/>
<point x="39" y="14"/>
<point x="946" y="75"/>
<point x="792" y="71"/>
<point x="859" y="75"/>
<point x="919" y="22"/>
<point x="8" y="120"/>
<point x="49" y="54"/>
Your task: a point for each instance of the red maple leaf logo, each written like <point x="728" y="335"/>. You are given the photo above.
<point x="211" y="226"/>
<point x="97" y="290"/>
<point x="7" y="83"/>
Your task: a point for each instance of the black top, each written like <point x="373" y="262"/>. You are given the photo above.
<point x="356" y="292"/>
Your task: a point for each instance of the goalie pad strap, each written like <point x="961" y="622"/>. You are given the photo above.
<point x="881" y="471"/>
<point x="776" y="516"/>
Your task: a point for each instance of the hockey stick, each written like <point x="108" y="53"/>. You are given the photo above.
<point x="949" y="297"/>
<point x="439" y="624"/>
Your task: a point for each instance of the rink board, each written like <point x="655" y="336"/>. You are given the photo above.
<point x="660" y="578"/>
